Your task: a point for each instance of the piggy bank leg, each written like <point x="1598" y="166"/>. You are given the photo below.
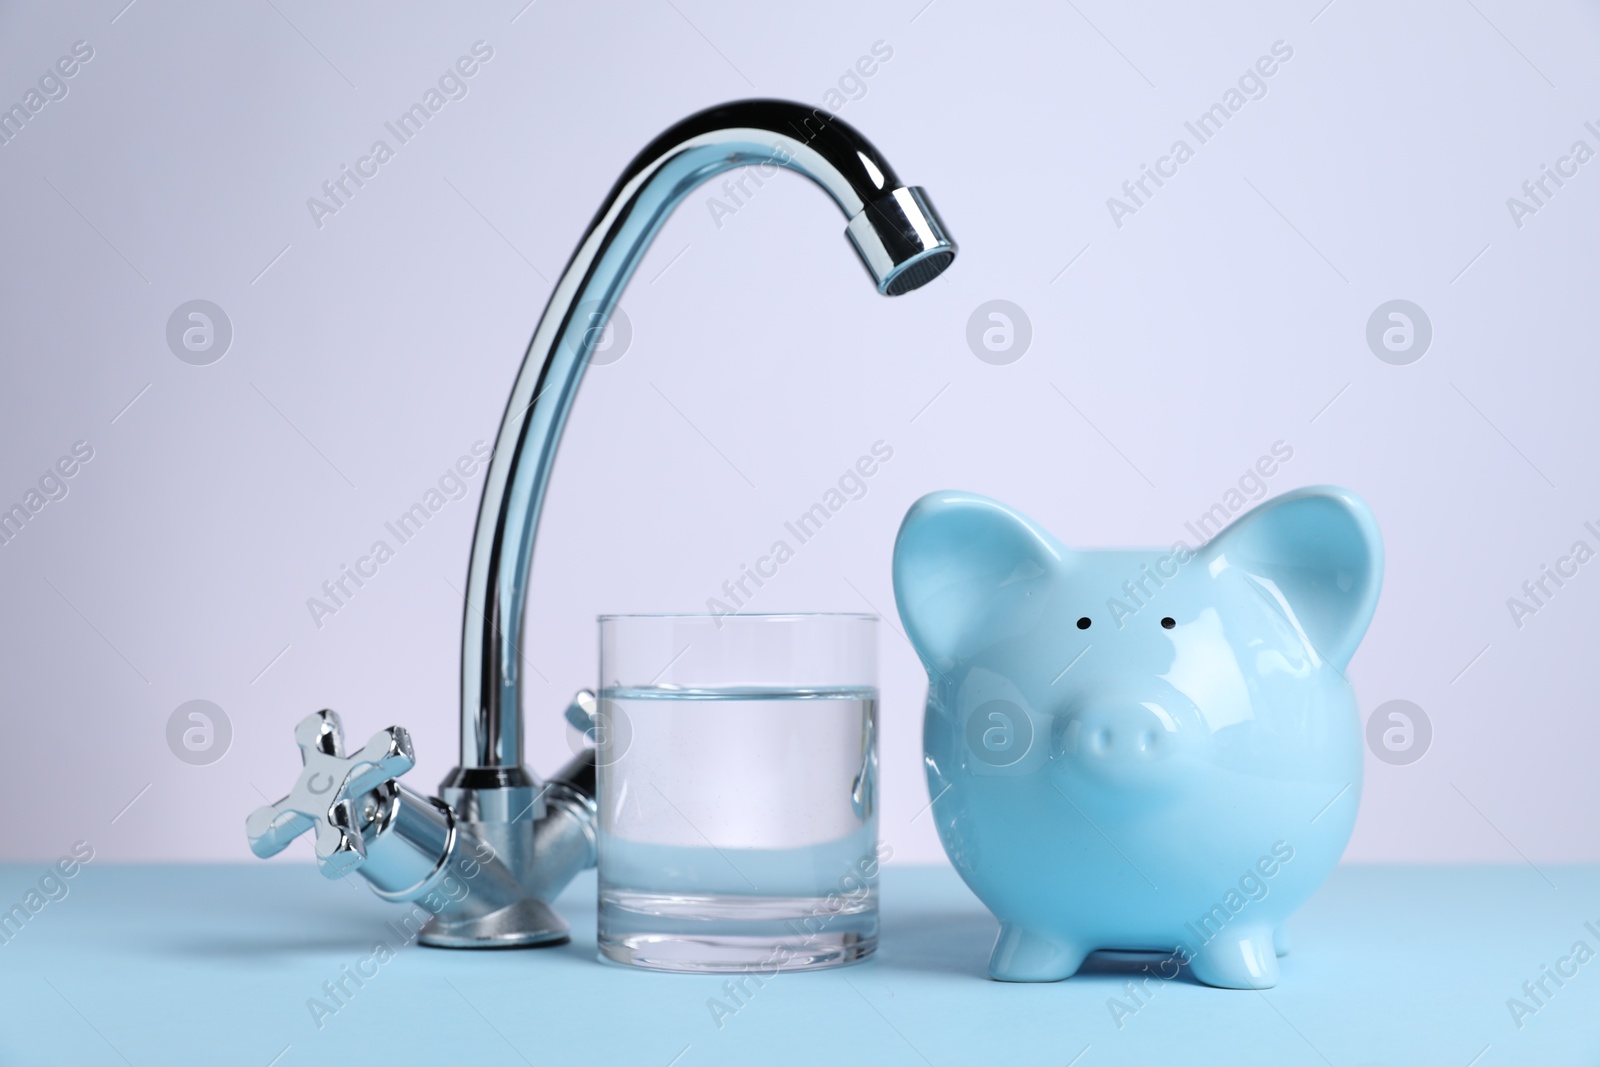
<point x="1023" y="955"/>
<point x="1238" y="959"/>
<point x="1280" y="939"/>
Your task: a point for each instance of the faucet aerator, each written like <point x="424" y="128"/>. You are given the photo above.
<point x="902" y="241"/>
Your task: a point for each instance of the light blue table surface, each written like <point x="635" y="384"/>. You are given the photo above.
<point x="215" y="965"/>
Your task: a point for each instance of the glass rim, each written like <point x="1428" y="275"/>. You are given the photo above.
<point x="701" y="616"/>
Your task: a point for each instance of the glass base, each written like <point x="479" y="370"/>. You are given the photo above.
<point x="733" y="934"/>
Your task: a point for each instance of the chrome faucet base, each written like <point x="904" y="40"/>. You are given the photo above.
<point x="528" y="923"/>
<point x="545" y="852"/>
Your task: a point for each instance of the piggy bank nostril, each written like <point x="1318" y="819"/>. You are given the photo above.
<point x="1146" y="741"/>
<point x="1099" y="740"/>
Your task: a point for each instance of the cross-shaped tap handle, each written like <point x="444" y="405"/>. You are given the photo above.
<point x="332" y="796"/>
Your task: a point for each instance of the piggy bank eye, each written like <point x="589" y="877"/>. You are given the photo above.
<point x="1083" y="623"/>
<point x="1168" y="623"/>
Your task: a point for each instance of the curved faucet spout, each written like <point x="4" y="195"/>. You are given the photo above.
<point x="895" y="232"/>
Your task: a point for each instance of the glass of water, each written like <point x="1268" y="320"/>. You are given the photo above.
<point x="736" y="761"/>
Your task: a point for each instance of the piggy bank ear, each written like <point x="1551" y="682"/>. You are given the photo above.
<point x="969" y="572"/>
<point x="1316" y="553"/>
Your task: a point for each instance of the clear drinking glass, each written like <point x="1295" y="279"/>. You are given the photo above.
<point x="736" y="763"/>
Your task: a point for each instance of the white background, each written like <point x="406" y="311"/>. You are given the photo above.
<point x="1227" y="314"/>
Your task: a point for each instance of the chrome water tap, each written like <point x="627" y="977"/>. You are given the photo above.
<point x="522" y="839"/>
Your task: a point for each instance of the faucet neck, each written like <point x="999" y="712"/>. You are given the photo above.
<point x="894" y="230"/>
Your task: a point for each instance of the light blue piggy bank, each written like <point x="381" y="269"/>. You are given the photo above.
<point x="1141" y="751"/>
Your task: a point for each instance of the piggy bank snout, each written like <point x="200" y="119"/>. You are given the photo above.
<point x="1118" y="738"/>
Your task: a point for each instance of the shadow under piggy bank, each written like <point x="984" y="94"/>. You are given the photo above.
<point x="1141" y="751"/>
